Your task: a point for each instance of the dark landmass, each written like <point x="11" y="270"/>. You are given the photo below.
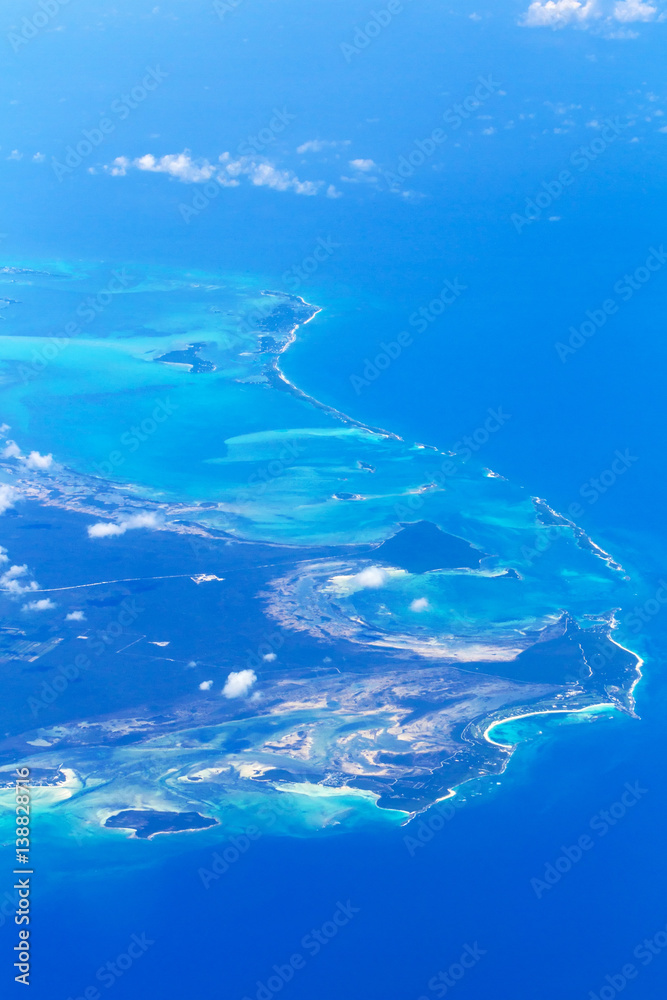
<point x="188" y="357"/>
<point x="290" y="311"/>
<point x="423" y="546"/>
<point x="147" y="822"/>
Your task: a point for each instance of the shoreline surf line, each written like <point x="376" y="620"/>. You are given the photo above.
<point x="546" y="711"/>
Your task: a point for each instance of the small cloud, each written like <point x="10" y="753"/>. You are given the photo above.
<point x="559" y="13"/>
<point x="10" y="581"/>
<point x="238" y="683"/>
<point x="46" y="604"/>
<point x="4" y="557"/>
<point x="333" y="192"/>
<point x="603" y="13"/>
<point x="317" y="145"/>
<point x="37" y="461"/>
<point x="179" y="165"/>
<point x="39" y="158"/>
<point x="119" y="166"/>
<point x="183" y="167"/>
<point x="363" y="165"/>
<point x="419" y="604"/>
<point x="15" y="155"/>
<point x="370" y="578"/>
<point x="110" y="529"/>
<point x="75" y="616"/>
<point x="12" y="450"/>
<point x="269" y="657"/>
<point x="34" y="460"/>
<point x="206" y="685"/>
<point x="475" y="17"/>
<point x="7" y="497"/>
<point x="627" y="11"/>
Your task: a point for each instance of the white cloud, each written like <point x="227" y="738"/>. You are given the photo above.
<point x="419" y="604"/>
<point x="75" y="616"/>
<point x="370" y="578"/>
<point x="333" y="192"/>
<point x="7" y="497"/>
<point x="262" y="173"/>
<point x="3" y="554"/>
<point x="239" y="683"/>
<point x="269" y="657"/>
<point x="205" y="685"/>
<point x="33" y="461"/>
<point x="364" y="165"/>
<point x="10" y="580"/>
<point x="559" y="13"/>
<point x="627" y="11"/>
<point x="39" y="157"/>
<point x="37" y="461"/>
<point x="46" y="604"/>
<point x="15" y="155"/>
<point x="317" y="145"/>
<point x="179" y="165"/>
<point x="12" y="450"/>
<point x="109" y="529"/>
<point x="603" y="13"/>
<point x="228" y="170"/>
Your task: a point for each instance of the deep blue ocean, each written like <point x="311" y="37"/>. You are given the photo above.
<point x="470" y="883"/>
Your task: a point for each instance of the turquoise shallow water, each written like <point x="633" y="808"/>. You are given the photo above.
<point x="470" y="882"/>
